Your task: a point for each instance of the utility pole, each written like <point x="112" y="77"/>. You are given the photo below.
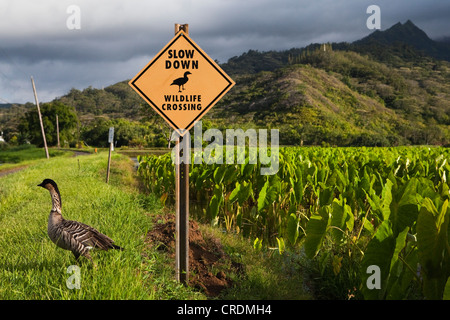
<point x="57" y="131"/>
<point x="40" y="118"/>
<point x="110" y="141"/>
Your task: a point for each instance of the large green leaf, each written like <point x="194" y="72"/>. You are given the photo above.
<point x="235" y="193"/>
<point x="447" y="290"/>
<point x="379" y="253"/>
<point x="326" y="195"/>
<point x="281" y="245"/>
<point x="230" y="174"/>
<point x="338" y="218"/>
<point x="292" y="228"/>
<point x="315" y="232"/>
<point x="245" y="192"/>
<point x="262" y="196"/>
<point x="268" y="194"/>
<point x="399" y="275"/>
<point x="214" y="206"/>
<point x="405" y="206"/>
<point x="247" y="169"/>
<point x="400" y="243"/>
<point x="433" y="247"/>
<point x="386" y="199"/>
<point x="219" y="174"/>
<point x="298" y="187"/>
<point x="241" y="193"/>
<point x="343" y="180"/>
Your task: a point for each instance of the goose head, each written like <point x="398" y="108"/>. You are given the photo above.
<point x="47" y="184"/>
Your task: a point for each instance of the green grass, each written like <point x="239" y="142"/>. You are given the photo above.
<point x="268" y="275"/>
<point x="25" y="153"/>
<point x="32" y="267"/>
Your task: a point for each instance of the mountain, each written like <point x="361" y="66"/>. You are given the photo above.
<point x="444" y="39"/>
<point x="345" y="98"/>
<point x="389" y="88"/>
<point x="400" y="44"/>
<point x="406" y="34"/>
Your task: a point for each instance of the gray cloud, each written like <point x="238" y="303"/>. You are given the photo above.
<point x="117" y="38"/>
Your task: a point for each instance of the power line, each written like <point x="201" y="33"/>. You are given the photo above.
<point x="12" y="62"/>
<point x="6" y="101"/>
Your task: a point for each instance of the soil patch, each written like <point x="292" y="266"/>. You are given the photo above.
<point x="209" y="265"/>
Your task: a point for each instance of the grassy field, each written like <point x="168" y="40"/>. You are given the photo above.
<point x="26" y="153"/>
<point x="32" y="267"/>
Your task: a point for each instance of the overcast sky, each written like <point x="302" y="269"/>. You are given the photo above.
<point x="117" y="38"/>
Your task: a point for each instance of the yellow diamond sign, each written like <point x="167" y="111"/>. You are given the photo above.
<point x="181" y="83"/>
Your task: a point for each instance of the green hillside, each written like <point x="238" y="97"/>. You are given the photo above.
<point x="389" y="88"/>
<point x="345" y="98"/>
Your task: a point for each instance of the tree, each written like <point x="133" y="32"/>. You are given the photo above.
<point x="126" y="133"/>
<point x="29" y="124"/>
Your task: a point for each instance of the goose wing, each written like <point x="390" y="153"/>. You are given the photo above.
<point x="86" y="235"/>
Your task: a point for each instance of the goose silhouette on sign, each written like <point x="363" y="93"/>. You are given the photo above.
<point x="180" y="82"/>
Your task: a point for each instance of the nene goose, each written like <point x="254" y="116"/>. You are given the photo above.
<point x="72" y="235"/>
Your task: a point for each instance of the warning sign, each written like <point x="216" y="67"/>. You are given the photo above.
<point x="181" y="83"/>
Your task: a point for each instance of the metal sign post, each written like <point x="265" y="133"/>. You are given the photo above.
<point x="182" y="211"/>
<point x="181" y="83"/>
<point x="181" y="202"/>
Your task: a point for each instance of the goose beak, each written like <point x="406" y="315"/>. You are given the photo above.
<point x="40" y="185"/>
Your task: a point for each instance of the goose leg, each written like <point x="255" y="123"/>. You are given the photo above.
<point x="76" y="254"/>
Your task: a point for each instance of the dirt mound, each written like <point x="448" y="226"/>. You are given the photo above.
<point x="205" y="255"/>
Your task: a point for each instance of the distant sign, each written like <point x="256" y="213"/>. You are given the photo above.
<point x="181" y="83"/>
<point x="111" y="135"/>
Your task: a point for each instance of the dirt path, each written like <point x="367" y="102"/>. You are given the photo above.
<point x="12" y="170"/>
<point x="80" y="153"/>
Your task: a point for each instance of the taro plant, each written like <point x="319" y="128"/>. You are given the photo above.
<point x="384" y="207"/>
